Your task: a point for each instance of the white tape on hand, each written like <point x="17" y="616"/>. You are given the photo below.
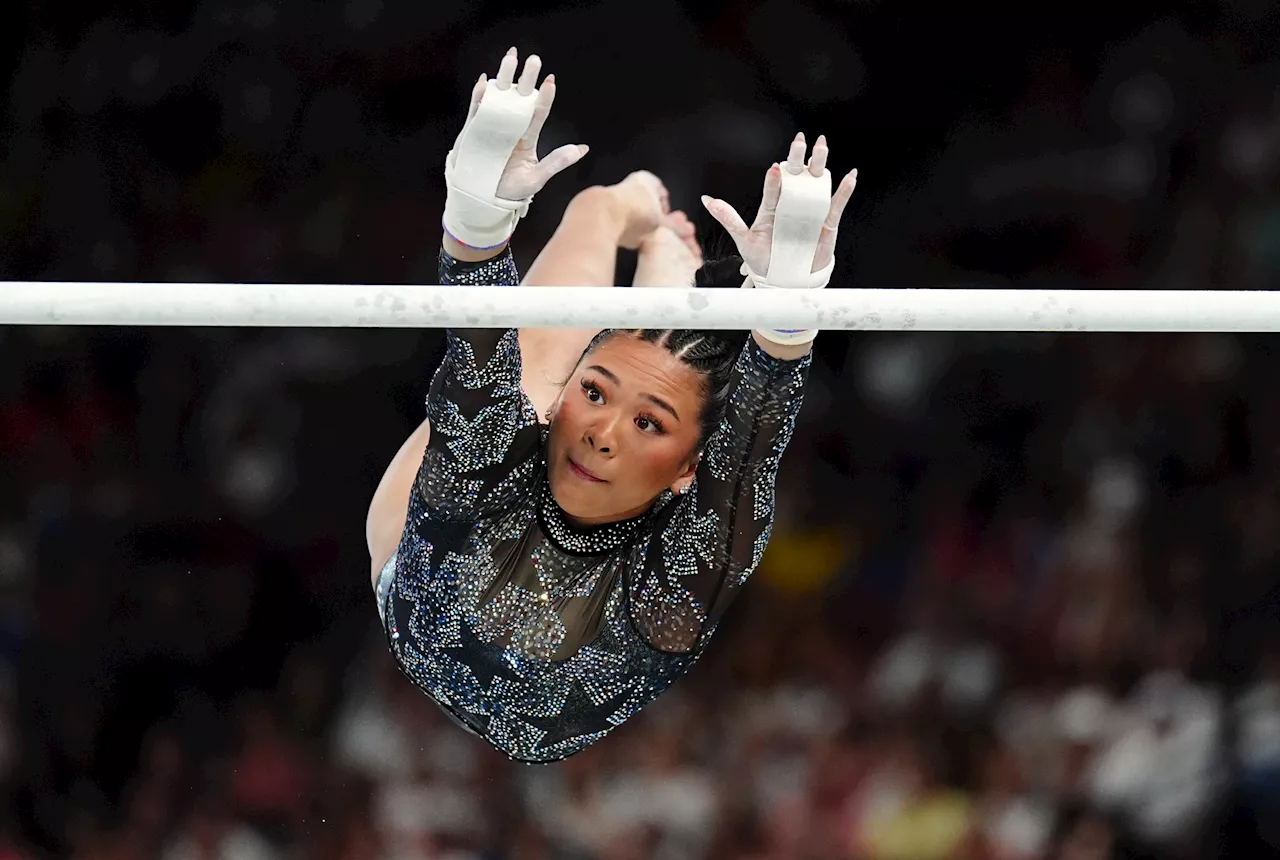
<point x="473" y="213"/>
<point x="797" y="226"/>
<point x="803" y="205"/>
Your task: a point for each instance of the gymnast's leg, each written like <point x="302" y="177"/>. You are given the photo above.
<point x="584" y="252"/>
<point x="389" y="508"/>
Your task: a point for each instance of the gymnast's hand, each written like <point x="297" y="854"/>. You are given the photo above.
<point x="493" y="170"/>
<point x="525" y="174"/>
<point x="755" y="243"/>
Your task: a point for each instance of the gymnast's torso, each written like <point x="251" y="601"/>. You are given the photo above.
<point x="538" y="635"/>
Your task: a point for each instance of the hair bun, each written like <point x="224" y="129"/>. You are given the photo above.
<point x="724" y="272"/>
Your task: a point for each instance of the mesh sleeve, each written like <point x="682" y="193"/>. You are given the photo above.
<point x="708" y="542"/>
<point x="484" y="431"/>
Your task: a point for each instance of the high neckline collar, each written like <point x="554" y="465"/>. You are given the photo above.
<point x="583" y="540"/>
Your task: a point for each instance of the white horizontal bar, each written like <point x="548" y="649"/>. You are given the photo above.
<point x="354" y="306"/>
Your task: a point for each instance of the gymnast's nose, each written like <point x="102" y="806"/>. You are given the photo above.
<point x="601" y="435"/>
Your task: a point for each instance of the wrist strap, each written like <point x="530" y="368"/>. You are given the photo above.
<point x="809" y="281"/>
<point x="788" y="336"/>
<point x="445" y="227"/>
<point x="477" y="222"/>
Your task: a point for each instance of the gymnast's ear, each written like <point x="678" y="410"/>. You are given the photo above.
<point x="682" y="483"/>
<point x="551" y="410"/>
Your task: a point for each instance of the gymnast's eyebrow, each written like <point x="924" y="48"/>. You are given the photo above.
<point x="662" y="404"/>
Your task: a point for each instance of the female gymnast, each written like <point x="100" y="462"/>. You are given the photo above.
<point x="556" y="567"/>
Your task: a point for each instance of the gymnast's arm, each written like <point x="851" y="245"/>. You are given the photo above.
<point x="479" y="424"/>
<point x="475" y="357"/>
<point x="709" y="541"/>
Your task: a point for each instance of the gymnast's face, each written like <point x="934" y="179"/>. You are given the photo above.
<point x="625" y="428"/>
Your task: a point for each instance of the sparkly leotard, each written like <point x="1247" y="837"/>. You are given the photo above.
<point x="534" y="634"/>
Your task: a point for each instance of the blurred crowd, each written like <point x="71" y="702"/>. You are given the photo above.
<point x="1022" y="596"/>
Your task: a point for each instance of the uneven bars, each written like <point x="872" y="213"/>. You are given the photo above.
<point x="356" y="306"/>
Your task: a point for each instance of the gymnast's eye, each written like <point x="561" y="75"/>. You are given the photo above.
<point x="592" y="391"/>
<point x="650" y="424"/>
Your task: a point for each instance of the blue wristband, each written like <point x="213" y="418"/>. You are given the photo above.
<point x="472" y="247"/>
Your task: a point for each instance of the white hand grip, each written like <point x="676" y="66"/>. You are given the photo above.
<point x="473" y="213"/>
<point x="803" y="204"/>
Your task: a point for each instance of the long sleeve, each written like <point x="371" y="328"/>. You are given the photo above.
<point x="484" y="431"/>
<point x="709" y="542"/>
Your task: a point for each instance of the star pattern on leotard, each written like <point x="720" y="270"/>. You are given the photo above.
<point x="448" y="493"/>
<point x="476" y="554"/>
<point x="484" y="667"/>
<point x="519" y="483"/>
<point x="495" y="375"/>
<point x="688" y="539"/>
<point x="578" y="716"/>
<point x="478" y="442"/>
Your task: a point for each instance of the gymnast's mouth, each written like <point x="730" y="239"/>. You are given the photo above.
<point x="584" y="474"/>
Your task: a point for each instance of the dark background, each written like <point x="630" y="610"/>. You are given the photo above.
<point x="1022" y="596"/>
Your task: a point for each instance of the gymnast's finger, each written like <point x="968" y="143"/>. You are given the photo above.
<point x="772" y="192"/>
<point x="795" y="157"/>
<point x="826" y="250"/>
<point x="841" y="199"/>
<point x="818" y="162"/>
<point x="507" y="71"/>
<point x="541" y="110"/>
<point x="529" y="77"/>
<point x="728" y="218"/>
<point x="477" y="93"/>
<point x="558" y="160"/>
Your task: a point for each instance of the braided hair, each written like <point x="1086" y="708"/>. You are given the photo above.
<point x="711" y="353"/>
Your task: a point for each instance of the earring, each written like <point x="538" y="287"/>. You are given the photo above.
<point x="547" y="414"/>
<point x="684" y="489"/>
